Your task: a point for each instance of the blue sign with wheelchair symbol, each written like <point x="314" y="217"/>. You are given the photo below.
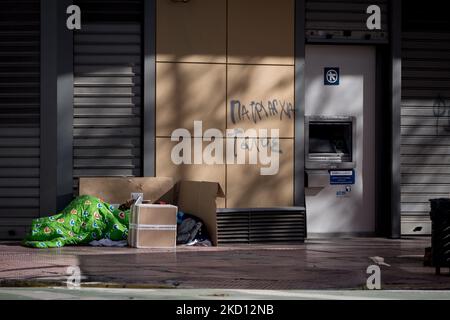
<point x="331" y="76"/>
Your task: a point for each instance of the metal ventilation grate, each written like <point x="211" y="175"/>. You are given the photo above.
<point x="263" y="225"/>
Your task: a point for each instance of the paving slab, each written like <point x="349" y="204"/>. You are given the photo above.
<point x="214" y="294"/>
<point x="319" y="264"/>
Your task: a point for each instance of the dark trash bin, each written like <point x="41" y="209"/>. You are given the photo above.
<point x="440" y="238"/>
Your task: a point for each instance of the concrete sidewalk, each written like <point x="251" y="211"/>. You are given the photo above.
<point x="212" y="294"/>
<point x="336" y="264"/>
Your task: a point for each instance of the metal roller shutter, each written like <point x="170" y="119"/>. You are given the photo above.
<point x="19" y="115"/>
<point x="107" y="89"/>
<point x="340" y="20"/>
<point x="425" y="117"/>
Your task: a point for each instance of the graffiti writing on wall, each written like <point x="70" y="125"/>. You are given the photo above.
<point x="257" y="111"/>
<point x="261" y="144"/>
<point x="441" y="110"/>
<point x="252" y="143"/>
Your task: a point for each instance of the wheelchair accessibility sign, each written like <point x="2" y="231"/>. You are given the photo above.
<point x="331" y="76"/>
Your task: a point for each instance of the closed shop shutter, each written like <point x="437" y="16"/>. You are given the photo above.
<point x="19" y="115"/>
<point x="425" y="117"/>
<point x="340" y="20"/>
<point x="107" y="89"/>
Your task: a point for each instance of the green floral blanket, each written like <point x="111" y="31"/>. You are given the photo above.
<point x="85" y="219"/>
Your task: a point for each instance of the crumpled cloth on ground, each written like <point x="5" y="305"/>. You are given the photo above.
<point x="191" y="231"/>
<point x="188" y="230"/>
<point x="108" y="243"/>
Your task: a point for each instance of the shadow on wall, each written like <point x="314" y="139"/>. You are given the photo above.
<point x="183" y="98"/>
<point x="212" y="52"/>
<point x="220" y="31"/>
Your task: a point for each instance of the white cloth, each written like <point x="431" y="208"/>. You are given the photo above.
<point x="196" y="243"/>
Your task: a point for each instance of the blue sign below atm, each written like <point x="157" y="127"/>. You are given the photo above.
<point x="342" y="177"/>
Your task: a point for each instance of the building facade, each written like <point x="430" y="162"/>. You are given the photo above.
<point x="104" y="101"/>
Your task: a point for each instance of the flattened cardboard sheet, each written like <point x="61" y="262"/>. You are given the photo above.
<point x="118" y="190"/>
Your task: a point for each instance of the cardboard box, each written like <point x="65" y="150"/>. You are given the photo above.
<point x="194" y="197"/>
<point x="118" y="190"/>
<point x="152" y="226"/>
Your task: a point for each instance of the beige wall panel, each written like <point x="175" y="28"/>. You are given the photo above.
<point x="261" y="31"/>
<point x="246" y="188"/>
<point x="188" y="92"/>
<point x="191" y="32"/>
<point x="166" y="168"/>
<point x="250" y="83"/>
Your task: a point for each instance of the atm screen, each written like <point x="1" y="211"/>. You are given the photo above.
<point x="330" y="138"/>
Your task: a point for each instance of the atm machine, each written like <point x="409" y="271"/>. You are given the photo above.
<point x="330" y="151"/>
<point x="339" y="140"/>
